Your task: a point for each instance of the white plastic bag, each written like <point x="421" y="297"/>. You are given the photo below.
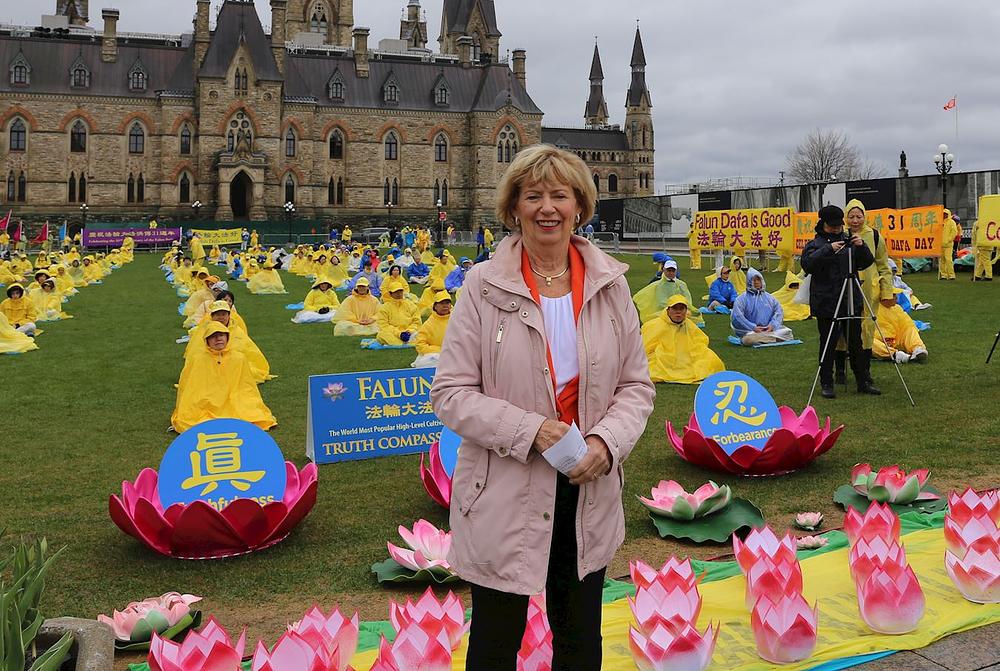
<point x="802" y="295"/>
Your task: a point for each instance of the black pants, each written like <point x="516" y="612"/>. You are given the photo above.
<point x="850" y="330"/>
<point x="573" y="606"/>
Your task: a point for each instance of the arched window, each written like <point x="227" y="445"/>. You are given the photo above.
<point x="437" y="191"/>
<point x="340" y="191"/>
<point x="441" y="148"/>
<point x="387" y="193"/>
<point x="81" y="190"/>
<point x="331" y="192"/>
<point x="71" y="196"/>
<point x="597" y="182"/>
<point x="613" y="183"/>
<point x="136" y="139"/>
<point x="441" y="95"/>
<point x="318" y="21"/>
<point x="140" y="189"/>
<point x="185" y="140"/>
<point x="444" y="193"/>
<point x="239" y="130"/>
<point x="80" y="77"/>
<point x="477" y="48"/>
<point x="391" y="93"/>
<point x="289" y="189"/>
<point x="78" y="137"/>
<point x="507" y="144"/>
<point x="242" y="82"/>
<point x="290" y="143"/>
<point x="185" y="189"/>
<point x="18" y="135"/>
<point x="130" y="189"/>
<point x="19" y="75"/>
<point x="391" y="147"/>
<point x="137" y="80"/>
<point x="337" y="90"/>
<point x="395" y="192"/>
<point x="336" y="145"/>
<point x="22" y="188"/>
<point x="11" y="187"/>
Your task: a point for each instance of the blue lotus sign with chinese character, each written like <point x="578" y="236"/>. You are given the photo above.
<point x="370" y="414"/>
<point x="734" y="410"/>
<point x="219" y="461"/>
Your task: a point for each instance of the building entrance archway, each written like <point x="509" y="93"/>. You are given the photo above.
<point x="241" y="195"/>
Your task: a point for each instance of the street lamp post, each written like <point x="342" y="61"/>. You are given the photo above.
<point x="289" y="213"/>
<point x="196" y="206"/>
<point x="83" y="218"/>
<point x="440" y="223"/>
<point x="388" y="207"/>
<point x="943" y="162"/>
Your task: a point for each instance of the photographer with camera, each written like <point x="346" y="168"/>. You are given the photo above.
<point x="834" y="259"/>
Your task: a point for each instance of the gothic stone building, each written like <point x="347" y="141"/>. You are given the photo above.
<point x="244" y="122"/>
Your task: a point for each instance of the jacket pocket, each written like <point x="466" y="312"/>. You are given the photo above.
<point x="477" y="482"/>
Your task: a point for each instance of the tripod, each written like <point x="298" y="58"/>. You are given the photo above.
<point x="847" y="287"/>
<point x="994" y="348"/>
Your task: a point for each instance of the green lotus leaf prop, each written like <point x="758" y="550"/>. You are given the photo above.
<point x="716" y="527"/>
<point x="847" y="496"/>
<point x="391" y="571"/>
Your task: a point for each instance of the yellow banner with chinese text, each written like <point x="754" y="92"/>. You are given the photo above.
<point x="222" y="236"/>
<point x="988" y="225"/>
<point x="909" y="233"/>
<point x="805" y="228"/>
<point x="744" y="229"/>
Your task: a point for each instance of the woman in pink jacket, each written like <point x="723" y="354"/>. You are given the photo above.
<point x="544" y="374"/>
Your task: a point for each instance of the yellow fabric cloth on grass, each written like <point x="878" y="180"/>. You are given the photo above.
<point x="794" y="312"/>
<point x="898" y="329"/>
<point x="267" y="281"/>
<point x="827" y="579"/>
<point x="13" y="341"/>
<point x="48" y="305"/>
<point x="678" y="353"/>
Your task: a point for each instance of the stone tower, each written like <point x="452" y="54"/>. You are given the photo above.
<point x="332" y="19"/>
<point x="639" y="123"/>
<point x="413" y="26"/>
<point x="475" y="19"/>
<point x="596" y="114"/>
<point x="76" y="10"/>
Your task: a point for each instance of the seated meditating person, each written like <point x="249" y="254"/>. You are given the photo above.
<point x="40" y="276"/>
<point x="47" y="302"/>
<point x="356" y="314"/>
<point x="398" y="318"/>
<point x="75" y="272"/>
<point x="453" y="283"/>
<point x="223" y="312"/>
<point x="197" y="298"/>
<point x="19" y="311"/>
<point x="659" y="258"/>
<point x="42" y="261"/>
<point x="7" y="274"/>
<point x="216" y="382"/>
<point x="427" y="298"/>
<point x="430" y="335"/>
<point x="721" y="293"/>
<point x="905" y="296"/>
<point x="651" y="300"/>
<point x="677" y="349"/>
<point x="395" y="272"/>
<point x="374" y="278"/>
<point x="757" y="317"/>
<point x="794" y="312"/>
<point x="902" y="338"/>
<point x="205" y="308"/>
<point x="13" y="341"/>
<point x="335" y="272"/>
<point x="92" y="272"/>
<point x="737" y="275"/>
<point x="320" y="305"/>
<point x="354" y="263"/>
<point x="64" y="285"/>
<point x="267" y="281"/>
<point x="443" y="266"/>
<point x="418" y="272"/>
<point x="406" y="260"/>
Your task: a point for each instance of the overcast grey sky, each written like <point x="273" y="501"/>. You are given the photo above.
<point x="735" y="85"/>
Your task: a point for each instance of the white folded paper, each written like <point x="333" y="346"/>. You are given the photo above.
<point x="567" y="454"/>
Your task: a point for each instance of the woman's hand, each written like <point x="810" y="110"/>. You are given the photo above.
<point x="596" y="464"/>
<point x="549" y="433"/>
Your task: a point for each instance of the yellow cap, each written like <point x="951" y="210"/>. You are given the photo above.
<point x="215" y="327"/>
<point x="441" y="296"/>
<point x="219" y="306"/>
<point x="677" y="299"/>
<point x="393" y="285"/>
<point x="362" y="282"/>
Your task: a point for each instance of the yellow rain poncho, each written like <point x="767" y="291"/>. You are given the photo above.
<point x="92" y="272"/>
<point x="47" y="304"/>
<point x="396" y="316"/>
<point x="794" y="312"/>
<point x="652" y="298"/>
<point x="429" y="297"/>
<point x="430" y="335"/>
<point x="218" y="384"/>
<point x="214" y="254"/>
<point x="985" y="256"/>
<point x="196" y="299"/>
<point x="76" y="275"/>
<point x="64" y="284"/>
<point x="240" y="340"/>
<point x="13" y="341"/>
<point x="678" y="353"/>
<point x="900" y="333"/>
<point x="738" y="277"/>
<point x="356" y="315"/>
<point x="318" y="300"/>
<point x="42" y="261"/>
<point x="299" y="264"/>
<point x="18" y="311"/>
<point x="197" y="250"/>
<point x="267" y="281"/>
<point x="7" y="274"/>
<point x="334" y="272"/>
<point x="442" y="268"/>
<point x="694" y="250"/>
<point x="876" y="279"/>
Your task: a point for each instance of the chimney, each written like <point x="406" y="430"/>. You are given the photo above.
<point x="520" y="56"/>
<point x="361" y="51"/>
<point x="109" y="43"/>
<point x="278" y="11"/>
<point x="201" y="33"/>
<point x="464" y="51"/>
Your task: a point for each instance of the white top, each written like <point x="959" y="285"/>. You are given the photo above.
<point x="560" y="332"/>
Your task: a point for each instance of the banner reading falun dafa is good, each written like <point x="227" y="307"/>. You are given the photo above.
<point x="770" y="229"/>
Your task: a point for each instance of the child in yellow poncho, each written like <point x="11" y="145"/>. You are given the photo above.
<point x="19" y="311"/>
<point x="356" y="315"/>
<point x="216" y="382"/>
<point x="47" y="302"/>
<point x="267" y="281"/>
<point x="222" y="311"/>
<point x="677" y="349"/>
<point x="198" y="298"/>
<point x="794" y="312"/>
<point x="320" y="305"/>
<point x="902" y="339"/>
<point x="13" y="341"/>
<point x="398" y="318"/>
<point x="430" y="335"/>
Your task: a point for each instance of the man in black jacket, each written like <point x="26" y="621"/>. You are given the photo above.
<point x="827" y="258"/>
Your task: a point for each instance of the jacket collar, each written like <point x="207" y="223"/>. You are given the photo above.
<point x="504" y="269"/>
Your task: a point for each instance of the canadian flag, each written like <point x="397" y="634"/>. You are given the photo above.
<point x="951" y="104"/>
<point x="5" y="222"/>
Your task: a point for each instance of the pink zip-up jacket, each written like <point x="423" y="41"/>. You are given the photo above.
<point x="493" y="388"/>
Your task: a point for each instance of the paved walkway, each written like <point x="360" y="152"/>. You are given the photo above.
<point x="976" y="650"/>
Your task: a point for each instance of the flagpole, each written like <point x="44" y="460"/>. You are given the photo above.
<point x="956" y="120"/>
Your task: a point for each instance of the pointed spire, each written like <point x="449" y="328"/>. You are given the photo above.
<point x="638" y="54"/>
<point x="596" y="113"/>
<point x="596" y="71"/>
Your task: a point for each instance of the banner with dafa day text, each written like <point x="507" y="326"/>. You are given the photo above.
<point x="988" y="228"/>
<point x="911" y="233"/>
<point x="370" y="414"/>
<point x="770" y="228"/>
<point x="222" y="236"/>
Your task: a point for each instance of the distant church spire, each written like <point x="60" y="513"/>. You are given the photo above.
<point x="596" y="114"/>
<point x="637" y="90"/>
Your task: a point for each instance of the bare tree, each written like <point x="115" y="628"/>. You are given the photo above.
<point x="826" y="155"/>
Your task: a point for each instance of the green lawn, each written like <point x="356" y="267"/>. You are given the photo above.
<point x="91" y="408"/>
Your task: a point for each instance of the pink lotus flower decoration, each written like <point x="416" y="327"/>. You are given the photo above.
<point x="785" y="630"/>
<point x="536" y="645"/>
<point x="415" y="650"/>
<point x="436" y="480"/>
<point x="977" y="576"/>
<point x="666" y="649"/>
<point x="290" y="653"/>
<point x="891" y="484"/>
<point x="199" y="531"/>
<point x="763" y="543"/>
<point x="334" y="634"/>
<point x="772" y="580"/>
<point x="673" y="607"/>
<point x="879" y="521"/>
<point x="800" y="440"/>
<point x="891" y="600"/>
<point x="139" y="620"/>
<point x="811" y="542"/>
<point x="671" y="500"/>
<point x="969" y="504"/>
<point x="977" y="533"/>
<point x="675" y="572"/>
<point x="866" y="556"/>
<point x="210" y="649"/>
<point x="809" y="521"/>
<point x="428" y="549"/>
<point x="431" y="615"/>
